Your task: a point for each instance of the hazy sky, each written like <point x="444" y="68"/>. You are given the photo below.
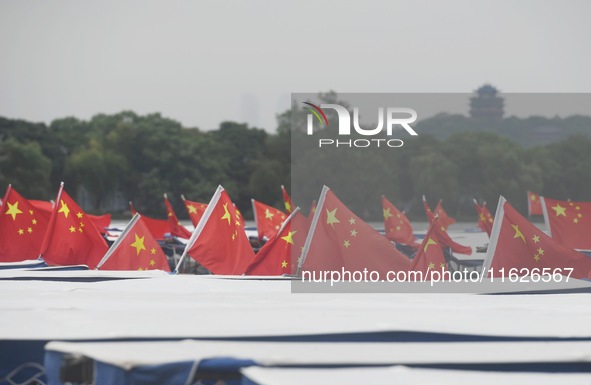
<point x="202" y="62"/>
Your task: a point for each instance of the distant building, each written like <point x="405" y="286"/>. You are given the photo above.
<point x="486" y="104"/>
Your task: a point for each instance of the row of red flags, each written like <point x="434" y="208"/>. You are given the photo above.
<point x="332" y="238"/>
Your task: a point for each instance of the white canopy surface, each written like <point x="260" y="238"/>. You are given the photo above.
<point x="404" y="376"/>
<point x="207" y="306"/>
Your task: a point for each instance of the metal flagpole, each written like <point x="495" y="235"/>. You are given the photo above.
<point x="199" y="228"/>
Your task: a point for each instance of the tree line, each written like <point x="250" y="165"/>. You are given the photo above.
<point x="126" y="156"/>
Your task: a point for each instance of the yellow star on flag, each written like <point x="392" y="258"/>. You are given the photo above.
<point x="347" y="243"/>
<point x="72" y="229"/>
<point x="352" y="221"/>
<point x="518" y="233"/>
<point x="536" y="238"/>
<point x="430" y="241"/>
<point x="289" y="237"/>
<point x="331" y="218"/>
<point x="21" y="231"/>
<point x="138" y="244"/>
<point x="34" y="221"/>
<point x="226" y="214"/>
<point x="284" y="264"/>
<point x="431" y="265"/>
<point x="152" y="250"/>
<point x="13" y="210"/>
<point x="29" y="230"/>
<point x="387" y="213"/>
<point x="152" y="262"/>
<point x="287" y="206"/>
<point x="353" y="233"/>
<point x="79" y="215"/>
<point x="268" y="214"/>
<point x="559" y="210"/>
<point x="192" y="209"/>
<point x="64" y="209"/>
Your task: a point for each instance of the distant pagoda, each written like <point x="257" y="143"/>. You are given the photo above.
<point x="486" y="104"/>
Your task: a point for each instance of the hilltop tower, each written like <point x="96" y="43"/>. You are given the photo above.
<point x="486" y="104"/>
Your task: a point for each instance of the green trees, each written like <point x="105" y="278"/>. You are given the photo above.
<point x="125" y="156"/>
<point x="25" y="167"/>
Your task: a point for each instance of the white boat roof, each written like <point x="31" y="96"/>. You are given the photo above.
<point x="187" y="306"/>
<point x="404" y="376"/>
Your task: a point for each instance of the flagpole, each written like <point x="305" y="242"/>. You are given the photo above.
<point x="545" y="213"/>
<point x="256" y="222"/>
<point x="5" y="198"/>
<point x="312" y="229"/>
<point x="199" y="228"/>
<point x="494" y="235"/>
<point x="51" y="225"/>
<point x="286" y="221"/>
<point x="122" y="236"/>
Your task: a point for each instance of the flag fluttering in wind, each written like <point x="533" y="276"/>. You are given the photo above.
<point x="268" y="219"/>
<point x="286" y="200"/>
<point x="219" y="242"/>
<point x="429" y="257"/>
<point x="569" y="223"/>
<point x="22" y="228"/>
<point x="159" y="228"/>
<point x="518" y="246"/>
<point x="135" y="249"/>
<point x="276" y="257"/>
<point x="338" y="239"/>
<point x="445" y="239"/>
<point x="444" y="220"/>
<point x="195" y="209"/>
<point x="397" y="225"/>
<point x="176" y="228"/>
<point x="71" y="237"/>
<point x="101" y="222"/>
<point x="485" y="220"/>
<point x="534" y="204"/>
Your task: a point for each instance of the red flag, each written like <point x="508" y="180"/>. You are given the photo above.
<point x="195" y="210"/>
<point x="268" y="219"/>
<point x="159" y="228"/>
<point x="176" y="228"/>
<point x="534" y="204"/>
<point x="397" y="225"/>
<point x="569" y="223"/>
<point x="276" y="256"/>
<point x="485" y="220"/>
<point x="441" y="230"/>
<point x="43" y="208"/>
<point x="517" y="246"/>
<point x="71" y="238"/>
<point x="101" y="222"/>
<point x="444" y="220"/>
<point x="219" y="242"/>
<point x="338" y="239"/>
<point x="135" y="249"/>
<point x="446" y="241"/>
<point x="429" y="257"/>
<point x="286" y="200"/>
<point x="22" y="227"/>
